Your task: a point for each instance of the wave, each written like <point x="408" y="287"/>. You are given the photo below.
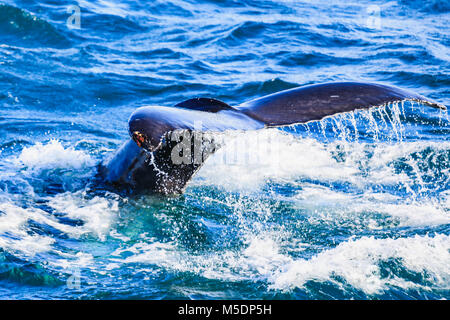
<point x="32" y="31"/>
<point x="52" y="155"/>
<point x="367" y="264"/>
<point x="429" y="6"/>
<point x="357" y="263"/>
<point x="271" y="226"/>
<point x="354" y="206"/>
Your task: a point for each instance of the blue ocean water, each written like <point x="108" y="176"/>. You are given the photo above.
<point x="353" y="207"/>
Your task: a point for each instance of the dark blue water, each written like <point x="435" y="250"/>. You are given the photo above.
<point x="352" y="207"/>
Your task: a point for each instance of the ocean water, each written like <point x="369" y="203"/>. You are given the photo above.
<point x="356" y="206"/>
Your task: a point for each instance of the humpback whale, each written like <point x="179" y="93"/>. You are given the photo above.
<point x="164" y="151"/>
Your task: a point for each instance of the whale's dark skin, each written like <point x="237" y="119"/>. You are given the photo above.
<point x="146" y="161"/>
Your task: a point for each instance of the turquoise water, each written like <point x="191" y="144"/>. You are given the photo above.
<point x="352" y="207"/>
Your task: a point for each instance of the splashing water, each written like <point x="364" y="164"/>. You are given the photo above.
<point x="355" y="206"/>
<point x="346" y="203"/>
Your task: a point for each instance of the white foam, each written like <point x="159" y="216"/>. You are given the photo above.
<point x="409" y="214"/>
<point x="53" y="155"/>
<point x="357" y="262"/>
<point x="13" y="230"/>
<point x="97" y="213"/>
<point x="325" y="203"/>
<point x="249" y="161"/>
<point x="72" y="262"/>
<point x="27" y="245"/>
